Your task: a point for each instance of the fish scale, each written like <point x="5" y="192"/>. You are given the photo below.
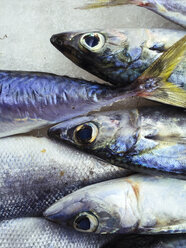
<point x="38" y="232"/>
<point x="35" y="172"/>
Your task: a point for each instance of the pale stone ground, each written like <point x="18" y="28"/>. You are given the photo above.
<point x="26" y="27"/>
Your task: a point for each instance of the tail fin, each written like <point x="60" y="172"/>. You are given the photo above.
<point x="106" y="3"/>
<point x="153" y="84"/>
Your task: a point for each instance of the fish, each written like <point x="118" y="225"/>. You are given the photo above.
<point x="147" y="139"/>
<point x="132" y="58"/>
<point x="36" y="172"/>
<point x="37" y="232"/>
<point x="138" y="204"/>
<point x="172" y="10"/>
<point x="32" y="100"/>
<point x="146" y="241"/>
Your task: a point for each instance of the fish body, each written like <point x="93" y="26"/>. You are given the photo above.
<point x="35" y="172"/>
<point x="119" y="56"/>
<point x="146" y="241"/>
<point x="134" y="204"/>
<point x="173" y="10"/>
<point x="40" y="233"/>
<point x="149" y="139"/>
<point x="30" y="100"/>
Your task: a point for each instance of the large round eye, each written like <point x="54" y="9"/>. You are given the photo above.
<point x="86" y="133"/>
<point x="86" y="222"/>
<point x="92" y="41"/>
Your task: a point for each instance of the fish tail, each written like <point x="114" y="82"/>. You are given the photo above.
<point x="92" y="4"/>
<point x="153" y="84"/>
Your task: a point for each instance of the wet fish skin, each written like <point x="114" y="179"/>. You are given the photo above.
<point x="123" y="55"/>
<point x="35" y="172"/>
<point x="146" y="241"/>
<point x="149" y="139"/>
<point x="173" y="10"/>
<point x="40" y="233"/>
<point x="127" y="205"/>
<point x="30" y="100"/>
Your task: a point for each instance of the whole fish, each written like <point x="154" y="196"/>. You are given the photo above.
<point x="149" y="139"/>
<point x="148" y="241"/>
<point x="35" y="172"/>
<point x="173" y="10"/>
<point x="30" y="100"/>
<point x="121" y="57"/>
<point x="134" y="204"/>
<point x="40" y="233"/>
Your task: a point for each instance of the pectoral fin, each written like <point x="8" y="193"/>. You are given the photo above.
<point x="153" y="84"/>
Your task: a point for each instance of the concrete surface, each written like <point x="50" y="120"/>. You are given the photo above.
<point x="26" y="27"/>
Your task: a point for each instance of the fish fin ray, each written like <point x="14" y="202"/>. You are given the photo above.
<point x="153" y="84"/>
<point x="169" y="94"/>
<point x="92" y="4"/>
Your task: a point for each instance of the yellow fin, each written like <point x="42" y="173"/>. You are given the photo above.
<point x="153" y="84"/>
<point x="106" y="3"/>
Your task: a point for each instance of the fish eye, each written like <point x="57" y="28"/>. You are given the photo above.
<point x="85" y="133"/>
<point x="92" y="41"/>
<point x="86" y="222"/>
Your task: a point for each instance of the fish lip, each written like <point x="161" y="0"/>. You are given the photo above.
<point x="58" y="42"/>
<point x="52" y="212"/>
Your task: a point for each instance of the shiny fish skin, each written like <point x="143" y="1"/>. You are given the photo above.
<point x="35" y="172"/>
<point x="39" y="233"/>
<point x="123" y="55"/>
<point x="134" y="204"/>
<point x="173" y="10"/>
<point x="156" y="241"/>
<point x="150" y="139"/>
<point x="30" y="100"/>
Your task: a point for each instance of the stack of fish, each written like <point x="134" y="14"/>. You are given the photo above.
<point x="134" y="158"/>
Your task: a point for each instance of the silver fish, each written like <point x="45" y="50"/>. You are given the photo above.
<point x="149" y="139"/>
<point x="40" y="233"/>
<point x="30" y="100"/>
<point x="35" y="172"/>
<point x="173" y="10"/>
<point x="134" y="204"/>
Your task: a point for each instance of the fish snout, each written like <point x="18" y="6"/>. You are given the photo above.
<point x="60" y="41"/>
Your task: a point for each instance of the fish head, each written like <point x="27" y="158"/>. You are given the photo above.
<point x="96" y="208"/>
<point x="106" y="135"/>
<point x="106" y="54"/>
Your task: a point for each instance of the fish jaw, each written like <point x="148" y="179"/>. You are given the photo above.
<point x="66" y="44"/>
<point x="101" y="208"/>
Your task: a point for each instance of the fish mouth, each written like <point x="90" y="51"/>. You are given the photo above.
<point x="62" y="42"/>
<point x="59" y="41"/>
